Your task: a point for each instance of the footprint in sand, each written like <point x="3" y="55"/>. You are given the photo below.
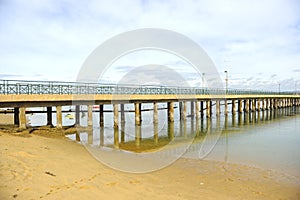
<point x="111" y="184"/>
<point x="134" y="182"/>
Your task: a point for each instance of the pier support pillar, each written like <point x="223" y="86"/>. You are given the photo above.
<point x="192" y="109"/>
<point x="138" y="136"/>
<point x="140" y="105"/>
<point x="267" y="104"/>
<point x="122" y="113"/>
<point x="258" y="104"/>
<point x="233" y="107"/>
<point x="101" y="115"/>
<point x="90" y="115"/>
<point x="250" y="105"/>
<point x="16" y="116"/>
<point x="240" y="104"/>
<point x="137" y="114"/>
<point x="49" y="116"/>
<point x="218" y="108"/>
<point x="197" y="109"/>
<point x="253" y="105"/>
<point x="77" y="115"/>
<point x="116" y="135"/>
<point x="263" y="104"/>
<point x="246" y="105"/>
<point x="58" y="117"/>
<point x="208" y="109"/>
<point x="184" y="110"/>
<point x="116" y="115"/>
<point x="155" y="113"/>
<point x="171" y="111"/>
<point x="271" y="104"/>
<point x="226" y="107"/>
<point x="22" y="117"/>
<point x="202" y="109"/>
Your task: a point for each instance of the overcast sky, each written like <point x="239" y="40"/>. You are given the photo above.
<point x="257" y="42"/>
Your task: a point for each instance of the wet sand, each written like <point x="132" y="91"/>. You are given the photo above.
<point x="36" y="166"/>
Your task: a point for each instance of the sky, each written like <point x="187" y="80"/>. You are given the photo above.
<point x="257" y="42"/>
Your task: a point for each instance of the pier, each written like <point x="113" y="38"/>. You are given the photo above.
<point x="18" y="96"/>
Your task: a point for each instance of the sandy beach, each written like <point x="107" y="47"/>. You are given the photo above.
<point x="36" y="166"/>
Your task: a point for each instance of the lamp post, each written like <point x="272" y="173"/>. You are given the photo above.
<point x="226" y="80"/>
<point x="203" y="74"/>
<point x="279" y="87"/>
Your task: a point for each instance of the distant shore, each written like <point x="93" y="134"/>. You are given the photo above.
<point x="36" y="166"/>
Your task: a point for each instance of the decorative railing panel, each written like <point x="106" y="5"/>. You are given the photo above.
<point x="16" y="87"/>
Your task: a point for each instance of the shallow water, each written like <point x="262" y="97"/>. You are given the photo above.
<point x="266" y="139"/>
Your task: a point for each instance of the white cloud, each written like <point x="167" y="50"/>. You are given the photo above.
<point x="53" y="38"/>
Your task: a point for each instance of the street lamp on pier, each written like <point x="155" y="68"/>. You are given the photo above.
<point x="226" y="80"/>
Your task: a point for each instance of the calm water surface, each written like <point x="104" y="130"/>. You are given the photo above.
<point x="268" y="139"/>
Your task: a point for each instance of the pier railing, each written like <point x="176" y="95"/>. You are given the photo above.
<point x="17" y="87"/>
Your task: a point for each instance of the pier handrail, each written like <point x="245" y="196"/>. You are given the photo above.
<point x="17" y="87"/>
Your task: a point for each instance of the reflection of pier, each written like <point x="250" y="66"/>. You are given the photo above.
<point x="186" y="131"/>
<point x="22" y="94"/>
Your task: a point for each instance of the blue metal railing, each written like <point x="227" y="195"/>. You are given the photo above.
<point x="16" y="87"/>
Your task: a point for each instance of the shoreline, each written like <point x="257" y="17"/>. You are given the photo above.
<point x="36" y="167"/>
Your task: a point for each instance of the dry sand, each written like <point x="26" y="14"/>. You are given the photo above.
<point x="39" y="167"/>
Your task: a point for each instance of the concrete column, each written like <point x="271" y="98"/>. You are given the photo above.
<point x="271" y="104"/>
<point x="155" y="133"/>
<point x="250" y="105"/>
<point x="116" y="135"/>
<point x="267" y="104"/>
<point x="49" y="116"/>
<point x="233" y="107"/>
<point x="170" y="111"/>
<point x="116" y="115"/>
<point x="137" y="114"/>
<point x="263" y="104"/>
<point x="101" y="115"/>
<point x="184" y="111"/>
<point x="77" y="115"/>
<point x="246" y="105"/>
<point x="208" y="109"/>
<point x="16" y="116"/>
<point x="122" y="132"/>
<point x="101" y="136"/>
<point x="138" y="136"/>
<point x="240" y="104"/>
<point x="181" y="110"/>
<point x="253" y="105"/>
<point x="276" y="104"/>
<point x="171" y="130"/>
<point x="226" y="107"/>
<point x="22" y="117"/>
<point x="197" y="109"/>
<point x="58" y="117"/>
<point x="90" y="115"/>
<point x="258" y="104"/>
<point x="192" y="109"/>
<point x="155" y="113"/>
<point x="140" y="105"/>
<point x="202" y="109"/>
<point x="218" y="108"/>
<point x="122" y="114"/>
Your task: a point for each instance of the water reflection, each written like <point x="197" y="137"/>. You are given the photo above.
<point x="179" y="132"/>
